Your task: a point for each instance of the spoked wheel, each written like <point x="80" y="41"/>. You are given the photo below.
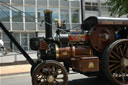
<point x="49" y="73"/>
<point x="115" y="62"/>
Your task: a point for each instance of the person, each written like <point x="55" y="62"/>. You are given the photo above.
<point x="57" y="23"/>
<point x="2" y="46"/>
<point x="63" y="26"/>
<point x="3" y="50"/>
<point x="1" y="43"/>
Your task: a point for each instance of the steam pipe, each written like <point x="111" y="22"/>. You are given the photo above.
<point x="29" y="59"/>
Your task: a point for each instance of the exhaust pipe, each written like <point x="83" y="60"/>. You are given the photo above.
<point x="48" y="24"/>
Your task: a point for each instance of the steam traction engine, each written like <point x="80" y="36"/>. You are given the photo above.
<point x="99" y="47"/>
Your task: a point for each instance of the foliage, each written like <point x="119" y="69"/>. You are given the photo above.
<point x="118" y="7"/>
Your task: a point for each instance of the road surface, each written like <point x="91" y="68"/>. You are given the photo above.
<point x="74" y="79"/>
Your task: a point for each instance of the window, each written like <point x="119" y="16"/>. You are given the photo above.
<point x="31" y="35"/>
<point x="17" y="15"/>
<point x="91" y="6"/>
<point x="29" y="10"/>
<point x="64" y="3"/>
<point x="25" y="38"/>
<point x="7" y="25"/>
<point x="53" y="3"/>
<point x="55" y="14"/>
<point x="40" y="13"/>
<point x="5" y="1"/>
<point x="30" y="26"/>
<point x="30" y="18"/>
<point x="4" y="14"/>
<point x="17" y="26"/>
<point x="17" y="2"/>
<point x="75" y="3"/>
<point x="29" y="14"/>
<point x="6" y="41"/>
<point x="24" y="41"/>
<point x="88" y="6"/>
<point x="29" y="2"/>
<point x="65" y="15"/>
<point x="94" y="6"/>
<point x="75" y="15"/>
<point x="42" y="3"/>
<point x="17" y="37"/>
<point x="76" y="26"/>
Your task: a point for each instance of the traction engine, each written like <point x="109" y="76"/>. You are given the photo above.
<point x="84" y="50"/>
<point x="99" y="47"/>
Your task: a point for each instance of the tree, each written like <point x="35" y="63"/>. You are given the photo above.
<point x="118" y="7"/>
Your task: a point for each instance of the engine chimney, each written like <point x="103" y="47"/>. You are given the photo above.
<point x="48" y="23"/>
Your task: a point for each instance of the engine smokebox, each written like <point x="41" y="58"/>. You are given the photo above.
<point x="48" y="23"/>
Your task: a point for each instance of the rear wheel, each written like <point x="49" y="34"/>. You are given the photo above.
<point x="115" y="62"/>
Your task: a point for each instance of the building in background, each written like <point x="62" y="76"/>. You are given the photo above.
<point x="97" y="8"/>
<point x="27" y="24"/>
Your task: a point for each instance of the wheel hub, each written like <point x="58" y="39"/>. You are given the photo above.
<point x="125" y="62"/>
<point x="50" y="79"/>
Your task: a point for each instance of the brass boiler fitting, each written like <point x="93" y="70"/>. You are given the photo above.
<point x="65" y="53"/>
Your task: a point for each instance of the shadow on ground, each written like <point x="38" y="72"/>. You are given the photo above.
<point x="90" y="81"/>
